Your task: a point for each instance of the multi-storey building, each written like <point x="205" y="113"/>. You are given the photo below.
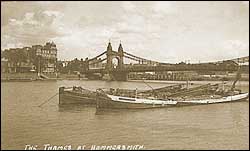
<point x="35" y="58"/>
<point x="47" y="57"/>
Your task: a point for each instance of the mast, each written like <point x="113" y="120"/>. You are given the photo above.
<point x="238" y="76"/>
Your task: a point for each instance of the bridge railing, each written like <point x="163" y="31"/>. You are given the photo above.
<point x="173" y="67"/>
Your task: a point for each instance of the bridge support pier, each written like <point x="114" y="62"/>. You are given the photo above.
<point x="94" y="76"/>
<point x="118" y="76"/>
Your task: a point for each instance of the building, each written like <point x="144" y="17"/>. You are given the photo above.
<point x="36" y="58"/>
<point x="47" y="57"/>
<point x="96" y="64"/>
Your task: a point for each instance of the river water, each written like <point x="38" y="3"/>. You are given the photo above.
<point x="216" y="126"/>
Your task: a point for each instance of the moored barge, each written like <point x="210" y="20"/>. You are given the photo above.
<point x="205" y="94"/>
<point x="76" y="95"/>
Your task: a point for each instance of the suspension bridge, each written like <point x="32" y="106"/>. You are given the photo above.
<point x="103" y="64"/>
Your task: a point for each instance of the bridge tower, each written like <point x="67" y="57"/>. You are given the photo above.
<point x="109" y="57"/>
<point x="121" y="55"/>
<point x="115" y="73"/>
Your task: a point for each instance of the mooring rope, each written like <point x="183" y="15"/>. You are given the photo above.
<point x="148" y="84"/>
<point x="48" y="99"/>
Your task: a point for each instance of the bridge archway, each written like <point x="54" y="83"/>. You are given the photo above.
<point x="116" y="61"/>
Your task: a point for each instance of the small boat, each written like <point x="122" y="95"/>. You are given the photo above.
<point x="76" y="95"/>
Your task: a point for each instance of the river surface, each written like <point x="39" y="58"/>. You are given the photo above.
<point x="216" y="126"/>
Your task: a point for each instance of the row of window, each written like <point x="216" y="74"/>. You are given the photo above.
<point x="46" y="51"/>
<point x="47" y="55"/>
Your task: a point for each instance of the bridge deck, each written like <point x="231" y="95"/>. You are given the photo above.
<point x="174" y="67"/>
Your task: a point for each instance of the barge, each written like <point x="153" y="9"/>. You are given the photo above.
<point x="171" y="96"/>
<point x="76" y="95"/>
<point x="205" y="94"/>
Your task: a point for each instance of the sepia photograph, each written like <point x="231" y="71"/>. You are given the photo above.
<point x="124" y="75"/>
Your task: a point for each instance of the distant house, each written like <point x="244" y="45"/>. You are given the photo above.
<point x="96" y="64"/>
<point x="48" y="54"/>
<point x="4" y="65"/>
<point x="36" y="58"/>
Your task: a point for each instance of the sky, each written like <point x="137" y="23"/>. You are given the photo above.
<point x="164" y="31"/>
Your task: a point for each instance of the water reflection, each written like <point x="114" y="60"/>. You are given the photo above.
<point x="120" y="111"/>
<point x="75" y="107"/>
<point x="216" y="126"/>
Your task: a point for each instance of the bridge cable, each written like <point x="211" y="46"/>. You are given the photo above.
<point x="139" y="57"/>
<point x="98" y="61"/>
<point x="97" y="56"/>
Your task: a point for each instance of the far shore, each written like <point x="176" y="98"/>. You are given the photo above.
<point x="29" y="77"/>
<point x="245" y="82"/>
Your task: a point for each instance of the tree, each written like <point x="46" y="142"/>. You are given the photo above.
<point x="15" y="56"/>
<point x="60" y="67"/>
<point x="12" y="57"/>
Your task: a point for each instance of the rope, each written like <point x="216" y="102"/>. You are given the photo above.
<point x="149" y="86"/>
<point x="48" y="100"/>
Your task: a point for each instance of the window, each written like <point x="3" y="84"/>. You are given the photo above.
<point x="126" y="99"/>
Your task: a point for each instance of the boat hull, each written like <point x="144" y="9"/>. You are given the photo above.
<point x="103" y="101"/>
<point x="69" y="97"/>
<point x="235" y="98"/>
<point x="106" y="101"/>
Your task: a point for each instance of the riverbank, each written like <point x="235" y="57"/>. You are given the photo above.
<point x="26" y="77"/>
<point x="242" y="83"/>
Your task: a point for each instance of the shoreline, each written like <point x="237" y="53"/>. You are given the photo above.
<point x="148" y="81"/>
<point x="30" y="77"/>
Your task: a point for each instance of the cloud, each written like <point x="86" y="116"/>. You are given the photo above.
<point x="52" y="13"/>
<point x="128" y="6"/>
<point x="162" y="8"/>
<point x="28" y="20"/>
<point x="236" y="45"/>
<point x="131" y="24"/>
<point x="10" y="42"/>
<point x="33" y="28"/>
<point x="163" y="31"/>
